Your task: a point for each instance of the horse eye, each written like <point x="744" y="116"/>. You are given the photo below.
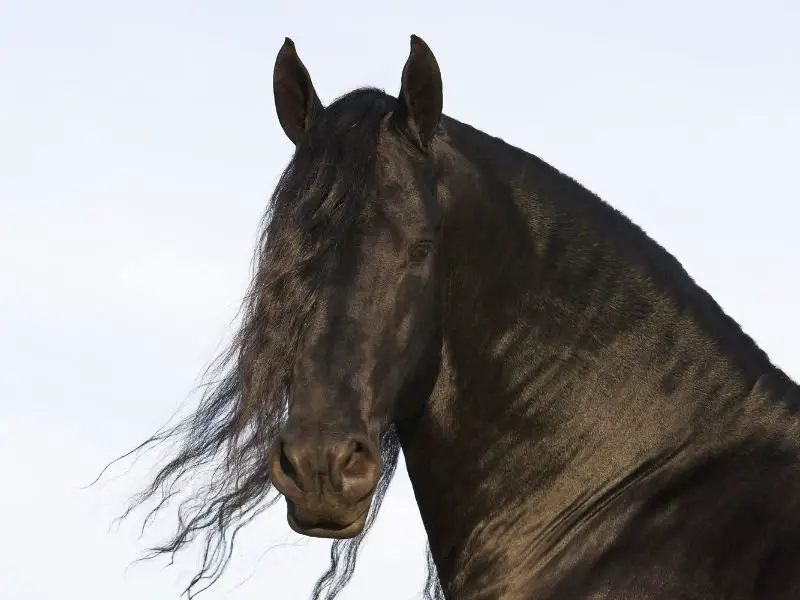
<point x="419" y="251"/>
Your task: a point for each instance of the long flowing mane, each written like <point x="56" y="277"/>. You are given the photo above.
<point x="311" y="219"/>
<point x="219" y="474"/>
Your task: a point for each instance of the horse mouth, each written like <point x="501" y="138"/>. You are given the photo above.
<point x="326" y="528"/>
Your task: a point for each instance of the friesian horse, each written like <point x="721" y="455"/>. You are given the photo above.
<point x="579" y="419"/>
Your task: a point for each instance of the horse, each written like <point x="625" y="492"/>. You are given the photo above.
<point x="578" y="417"/>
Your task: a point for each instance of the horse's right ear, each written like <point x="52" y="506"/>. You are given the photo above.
<point x="296" y="101"/>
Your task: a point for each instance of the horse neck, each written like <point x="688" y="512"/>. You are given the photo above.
<point x="575" y="351"/>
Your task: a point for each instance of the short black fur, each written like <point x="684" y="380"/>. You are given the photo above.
<point x="577" y="416"/>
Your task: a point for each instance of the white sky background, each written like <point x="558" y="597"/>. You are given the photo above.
<point x="138" y="146"/>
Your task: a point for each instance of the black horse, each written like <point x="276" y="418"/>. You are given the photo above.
<point x="579" y="419"/>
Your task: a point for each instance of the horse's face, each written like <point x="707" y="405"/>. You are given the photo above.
<point x="368" y="354"/>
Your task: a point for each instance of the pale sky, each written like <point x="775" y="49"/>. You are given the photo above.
<point x="139" y="144"/>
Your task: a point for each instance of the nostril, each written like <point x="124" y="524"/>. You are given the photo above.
<point x="287" y="468"/>
<point x="355" y="456"/>
<point x="353" y="466"/>
<point x="341" y="458"/>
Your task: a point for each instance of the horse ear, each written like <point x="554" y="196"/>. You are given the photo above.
<point x="419" y="106"/>
<point x="296" y="101"/>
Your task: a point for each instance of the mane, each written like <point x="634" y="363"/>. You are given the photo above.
<point x="311" y="220"/>
<point x="219" y="467"/>
<point x="585" y="211"/>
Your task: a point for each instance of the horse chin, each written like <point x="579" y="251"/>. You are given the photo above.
<point x="326" y="521"/>
<point x="327" y="529"/>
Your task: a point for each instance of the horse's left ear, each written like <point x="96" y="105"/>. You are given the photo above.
<point x="296" y="101"/>
<point x="419" y="106"/>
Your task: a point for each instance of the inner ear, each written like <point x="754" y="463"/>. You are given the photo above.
<point x="296" y="101"/>
<point x="419" y="105"/>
